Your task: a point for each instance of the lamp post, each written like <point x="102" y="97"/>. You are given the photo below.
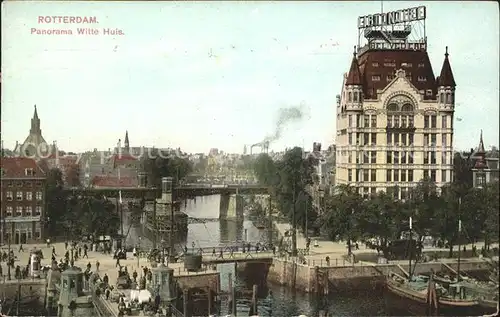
<point x="138" y="251"/>
<point x="162" y="251"/>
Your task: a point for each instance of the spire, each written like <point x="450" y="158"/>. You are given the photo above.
<point x="446" y="76"/>
<point x="354" y="76"/>
<point x="480" y="154"/>
<point x="35" y="124"/>
<point x="126" y="141"/>
<point x="480" y="148"/>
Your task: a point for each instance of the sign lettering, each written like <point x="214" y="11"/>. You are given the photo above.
<point x="390" y="18"/>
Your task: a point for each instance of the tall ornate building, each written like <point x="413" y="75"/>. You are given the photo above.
<point x="34" y="146"/>
<point x="394" y="117"/>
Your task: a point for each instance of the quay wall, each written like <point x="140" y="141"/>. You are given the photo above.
<point x="199" y="280"/>
<point x="28" y="287"/>
<point x="351" y="277"/>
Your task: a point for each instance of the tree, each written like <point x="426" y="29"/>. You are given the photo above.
<point x="382" y="219"/>
<point x="462" y="169"/>
<point x="56" y="202"/>
<point x="342" y="216"/>
<point x="424" y="200"/>
<point x="483" y="206"/>
<point x="157" y="166"/>
<point x="73" y="176"/>
<point x="266" y="170"/>
<point x="447" y="214"/>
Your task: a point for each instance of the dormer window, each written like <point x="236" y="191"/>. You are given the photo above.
<point x="406" y="65"/>
<point x="390" y="64"/>
<point x="375" y="64"/>
<point x="428" y="92"/>
<point x="421" y="79"/>
<point x="376" y="78"/>
<point x="390" y="77"/>
<point x="29" y="172"/>
<point x="421" y="65"/>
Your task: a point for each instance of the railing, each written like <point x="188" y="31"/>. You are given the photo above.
<point x="176" y="312"/>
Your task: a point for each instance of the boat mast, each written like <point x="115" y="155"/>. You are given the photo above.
<point x="459" y="238"/>
<point x="410" y="249"/>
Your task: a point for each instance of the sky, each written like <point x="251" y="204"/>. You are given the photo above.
<point x="203" y="75"/>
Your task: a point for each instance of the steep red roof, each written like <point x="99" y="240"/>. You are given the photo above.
<point x="354" y="76"/>
<point x="16" y="167"/>
<point x="111" y="181"/>
<point x="446" y="77"/>
<point x="124" y="157"/>
<point x="378" y="68"/>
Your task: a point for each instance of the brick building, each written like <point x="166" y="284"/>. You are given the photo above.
<point x="22" y="200"/>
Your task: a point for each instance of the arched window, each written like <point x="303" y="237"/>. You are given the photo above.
<point x="392" y="107"/>
<point x="452" y="101"/>
<point x="441" y="97"/>
<point x="349" y="98"/>
<point x="407" y="107"/>
<point x="448" y="99"/>
<point x="355" y="96"/>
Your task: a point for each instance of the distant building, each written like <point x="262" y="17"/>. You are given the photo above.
<point x="34" y="146"/>
<point x="97" y="166"/>
<point x="485" y="169"/>
<point x="22" y="200"/>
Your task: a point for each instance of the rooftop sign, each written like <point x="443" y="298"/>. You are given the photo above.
<point x="391" y="18"/>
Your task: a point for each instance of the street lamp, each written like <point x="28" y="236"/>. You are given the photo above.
<point x="162" y="250"/>
<point x="138" y="250"/>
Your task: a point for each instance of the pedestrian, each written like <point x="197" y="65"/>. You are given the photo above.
<point x="213" y="252"/>
<point x="134" y="276"/>
<point x="48" y="243"/>
<point x="21" y="248"/>
<point x="221" y="255"/>
<point x="85" y="254"/>
<point x="108" y="292"/>
<point x="97" y="264"/>
<point x="66" y="245"/>
<point x="54" y="250"/>
<point x="117" y="262"/>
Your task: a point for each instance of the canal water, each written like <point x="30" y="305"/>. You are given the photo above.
<point x="281" y="302"/>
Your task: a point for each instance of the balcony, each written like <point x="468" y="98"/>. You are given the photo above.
<point x="400" y="128"/>
<point x="23" y="219"/>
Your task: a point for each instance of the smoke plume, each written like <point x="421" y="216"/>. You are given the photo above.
<point x="286" y="116"/>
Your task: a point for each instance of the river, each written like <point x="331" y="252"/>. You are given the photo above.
<point x="283" y="302"/>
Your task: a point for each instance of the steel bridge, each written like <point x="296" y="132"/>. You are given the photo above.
<point x="149" y="193"/>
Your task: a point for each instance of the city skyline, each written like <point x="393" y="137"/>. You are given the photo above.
<point x="218" y="78"/>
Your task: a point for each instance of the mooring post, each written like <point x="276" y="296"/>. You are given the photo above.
<point x="185" y="298"/>
<point x="254" y="299"/>
<point x="230" y="293"/>
<point x="316" y="282"/>
<point x="209" y="294"/>
<point x="233" y="302"/>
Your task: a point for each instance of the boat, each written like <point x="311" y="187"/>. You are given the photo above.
<point x="403" y="296"/>
<point x="432" y="295"/>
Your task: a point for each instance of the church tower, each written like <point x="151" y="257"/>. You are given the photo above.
<point x="127" y="144"/>
<point x="35" y="144"/>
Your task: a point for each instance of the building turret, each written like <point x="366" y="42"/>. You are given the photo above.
<point x="446" y="85"/>
<point x="353" y="85"/>
<point x="480" y="155"/>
